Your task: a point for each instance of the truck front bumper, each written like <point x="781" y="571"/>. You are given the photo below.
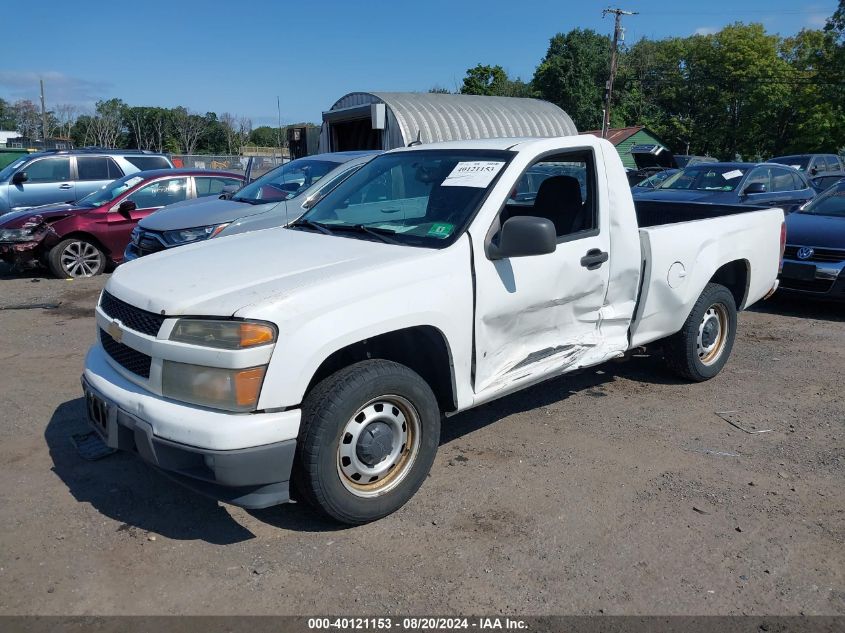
<point x="127" y="419"/>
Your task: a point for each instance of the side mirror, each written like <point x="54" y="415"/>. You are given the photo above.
<point x="228" y="191"/>
<point x="20" y="178"/>
<point x="524" y="236"/>
<point x="754" y="187"/>
<point x="126" y="207"/>
<point x="311" y="201"/>
<point x="814" y="171"/>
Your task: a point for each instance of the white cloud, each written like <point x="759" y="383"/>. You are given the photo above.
<point x="705" y="30"/>
<point x="58" y="87"/>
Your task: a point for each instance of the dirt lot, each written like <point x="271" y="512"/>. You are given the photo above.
<point x="618" y="491"/>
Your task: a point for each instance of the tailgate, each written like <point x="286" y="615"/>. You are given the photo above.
<point x="680" y="259"/>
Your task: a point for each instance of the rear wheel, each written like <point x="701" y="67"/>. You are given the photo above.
<point x="76" y="257"/>
<point x="702" y="347"/>
<point x="368" y="438"/>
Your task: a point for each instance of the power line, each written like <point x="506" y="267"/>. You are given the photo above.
<point x="618" y="33"/>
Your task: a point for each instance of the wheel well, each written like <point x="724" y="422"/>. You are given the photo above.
<point x="85" y="236"/>
<point x="422" y="348"/>
<point x="734" y="276"/>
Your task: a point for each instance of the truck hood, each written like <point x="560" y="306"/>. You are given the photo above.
<point x="200" y="212"/>
<point x="808" y="229"/>
<point x="221" y="277"/>
<point x="36" y="215"/>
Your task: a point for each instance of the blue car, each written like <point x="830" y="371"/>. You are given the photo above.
<point x="764" y="184"/>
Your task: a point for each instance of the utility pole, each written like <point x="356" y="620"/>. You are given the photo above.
<point x="618" y="35"/>
<point x="43" y="116"/>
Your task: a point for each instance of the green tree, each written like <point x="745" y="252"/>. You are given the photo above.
<point x="573" y="74"/>
<point x="493" y="81"/>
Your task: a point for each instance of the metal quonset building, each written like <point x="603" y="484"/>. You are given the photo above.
<point x="386" y="120"/>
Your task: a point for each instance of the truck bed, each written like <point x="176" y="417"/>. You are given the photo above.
<point x="659" y="212"/>
<point x="682" y="244"/>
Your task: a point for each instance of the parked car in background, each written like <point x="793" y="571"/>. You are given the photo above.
<point x="826" y="179"/>
<point x="81" y="239"/>
<point x="814" y="258"/>
<point x="653" y="181"/>
<point x="68" y="175"/>
<point x="650" y="159"/>
<point x="685" y="160"/>
<point x="278" y="197"/>
<point x="811" y="164"/>
<point x="764" y="184"/>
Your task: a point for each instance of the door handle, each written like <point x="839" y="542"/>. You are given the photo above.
<point x="594" y="258"/>
<point x="65" y="186"/>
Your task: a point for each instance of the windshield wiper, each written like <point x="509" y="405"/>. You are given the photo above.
<point x="380" y="233"/>
<point x="311" y="225"/>
<point x="247" y="200"/>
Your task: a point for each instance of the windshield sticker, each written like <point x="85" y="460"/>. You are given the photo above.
<point x="730" y="175"/>
<point x="476" y="173"/>
<point x="441" y="229"/>
<point x="798" y="167"/>
<point x="132" y="182"/>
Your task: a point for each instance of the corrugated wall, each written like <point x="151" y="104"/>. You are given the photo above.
<point x="446" y="117"/>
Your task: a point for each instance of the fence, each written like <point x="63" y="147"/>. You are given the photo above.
<point x="238" y="164"/>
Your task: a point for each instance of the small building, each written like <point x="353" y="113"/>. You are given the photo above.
<point x="386" y="120"/>
<point x="23" y="142"/>
<point x="625" y="138"/>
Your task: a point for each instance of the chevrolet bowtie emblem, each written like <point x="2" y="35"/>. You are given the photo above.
<point x="115" y="331"/>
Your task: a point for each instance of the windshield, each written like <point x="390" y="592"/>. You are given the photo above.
<point x="109" y="192"/>
<point x="706" y="178"/>
<point x="8" y="170"/>
<point x="656" y="179"/>
<point x="285" y="182"/>
<point x="798" y="162"/>
<point x="418" y="198"/>
<point x="831" y="202"/>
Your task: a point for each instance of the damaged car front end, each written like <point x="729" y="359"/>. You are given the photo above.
<point x="24" y="241"/>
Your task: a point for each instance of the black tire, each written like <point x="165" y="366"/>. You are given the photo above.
<point x="76" y="257"/>
<point x="342" y="402"/>
<point x="685" y="354"/>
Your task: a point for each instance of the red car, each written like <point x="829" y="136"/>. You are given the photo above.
<point x="81" y="239"/>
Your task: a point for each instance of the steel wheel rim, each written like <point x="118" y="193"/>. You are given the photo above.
<point x="372" y="480"/>
<point x="712" y="334"/>
<point x="80" y="259"/>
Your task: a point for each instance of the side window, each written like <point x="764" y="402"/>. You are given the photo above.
<point x="798" y="181"/>
<point x="782" y="180"/>
<point x="833" y="163"/>
<point x="161" y="193"/>
<point x="818" y="163"/>
<point x="48" y="170"/>
<point x="560" y="188"/>
<point x="97" y="168"/>
<point x="212" y="186"/>
<point x="144" y="163"/>
<point x="760" y="174"/>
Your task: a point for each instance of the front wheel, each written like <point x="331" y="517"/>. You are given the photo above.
<point x="369" y="436"/>
<point x="76" y="257"/>
<point x="702" y="347"/>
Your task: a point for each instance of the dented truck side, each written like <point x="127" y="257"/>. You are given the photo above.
<point x="317" y="361"/>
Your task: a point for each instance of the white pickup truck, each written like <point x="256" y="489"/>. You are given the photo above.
<point x="316" y="361"/>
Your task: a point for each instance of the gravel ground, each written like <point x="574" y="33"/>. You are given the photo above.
<point x="616" y="491"/>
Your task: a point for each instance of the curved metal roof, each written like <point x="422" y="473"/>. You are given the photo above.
<point x="447" y="117"/>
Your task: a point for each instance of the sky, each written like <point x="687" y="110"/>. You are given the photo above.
<point x="221" y="56"/>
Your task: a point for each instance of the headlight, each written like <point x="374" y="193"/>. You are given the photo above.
<point x="229" y="389"/>
<point x="223" y="334"/>
<point x="195" y="234"/>
<point x="15" y="235"/>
